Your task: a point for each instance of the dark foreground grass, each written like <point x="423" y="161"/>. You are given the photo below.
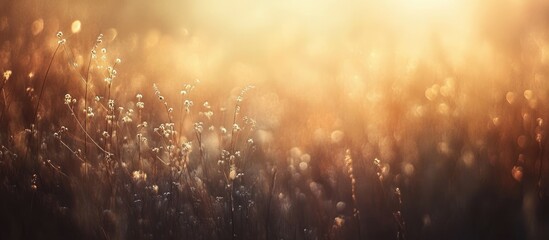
<point x="95" y="148"/>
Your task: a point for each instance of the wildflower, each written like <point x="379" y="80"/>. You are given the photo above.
<point x="224" y="153"/>
<point x="89" y="112"/>
<point x="340" y="206"/>
<point x="99" y="39"/>
<point x="139" y="176"/>
<point x="126" y="119"/>
<point x="34" y="182"/>
<point x="199" y="127"/>
<point x="207" y="105"/>
<point x="187" y="147"/>
<point x="188" y="104"/>
<point x="111" y="104"/>
<point x="338" y="222"/>
<point x="208" y="114"/>
<point x="68" y="99"/>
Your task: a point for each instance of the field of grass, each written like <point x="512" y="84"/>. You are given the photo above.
<point x="208" y="120"/>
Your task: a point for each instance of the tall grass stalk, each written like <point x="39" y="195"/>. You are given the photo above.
<point x="86" y="132"/>
<point x="269" y="203"/>
<point x="86" y="82"/>
<point x="43" y="86"/>
<point x="60" y="42"/>
<point x="350" y="171"/>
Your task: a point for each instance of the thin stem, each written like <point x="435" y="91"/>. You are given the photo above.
<point x="182" y="117"/>
<point x="86" y="133"/>
<point x="86" y="110"/>
<point x="139" y="126"/>
<point x="5" y="106"/>
<point x="271" y="193"/>
<point x="44" y="83"/>
<point x="233" y="132"/>
<point x="540" y="169"/>
<point x="200" y="148"/>
<point x="35" y="115"/>
<point x="71" y="150"/>
<point x="232" y="210"/>
<point x="139" y="151"/>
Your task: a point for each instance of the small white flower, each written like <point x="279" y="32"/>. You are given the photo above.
<point x="68" y="99"/>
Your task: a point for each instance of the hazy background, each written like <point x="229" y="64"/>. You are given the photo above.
<point x="448" y="93"/>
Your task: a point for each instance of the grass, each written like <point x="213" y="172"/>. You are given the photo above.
<point x="102" y="157"/>
<point x="145" y="178"/>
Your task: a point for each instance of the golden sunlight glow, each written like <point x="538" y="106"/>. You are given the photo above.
<point x="274" y="119"/>
<point x="299" y="37"/>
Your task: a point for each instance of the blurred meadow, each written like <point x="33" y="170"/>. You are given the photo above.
<point x="289" y="119"/>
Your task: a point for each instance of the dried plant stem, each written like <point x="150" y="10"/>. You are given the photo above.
<point x="86" y="116"/>
<point x="269" y="201"/>
<point x="86" y="133"/>
<point x="540" y="170"/>
<point x="35" y="115"/>
<point x="5" y="104"/>
<point x="139" y="139"/>
<point x="71" y="150"/>
<point x="350" y="171"/>
<point x="233" y="233"/>
<point x="44" y="83"/>
<point x="233" y="132"/>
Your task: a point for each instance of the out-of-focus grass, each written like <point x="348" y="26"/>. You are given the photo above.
<point x="360" y="125"/>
